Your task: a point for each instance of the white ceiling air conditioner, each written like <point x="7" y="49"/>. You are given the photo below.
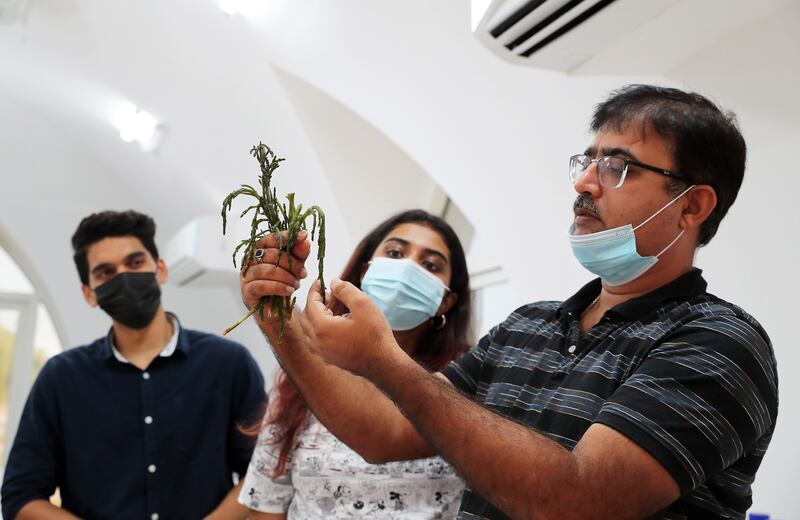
<point x="199" y="255"/>
<point x="561" y="34"/>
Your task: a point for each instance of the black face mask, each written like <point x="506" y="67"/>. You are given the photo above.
<point x="130" y="298"/>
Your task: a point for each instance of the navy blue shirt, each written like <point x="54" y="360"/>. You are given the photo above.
<point x="125" y="443"/>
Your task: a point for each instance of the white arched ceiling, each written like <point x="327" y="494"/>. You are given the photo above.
<point x="369" y="175"/>
<point x="70" y="65"/>
<point x="66" y="69"/>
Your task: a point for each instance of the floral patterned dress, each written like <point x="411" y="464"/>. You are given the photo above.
<point x="325" y="479"/>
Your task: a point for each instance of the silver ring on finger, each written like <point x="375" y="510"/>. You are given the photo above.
<point x="259" y="255"/>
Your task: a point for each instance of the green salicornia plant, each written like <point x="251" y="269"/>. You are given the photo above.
<point x="284" y="221"/>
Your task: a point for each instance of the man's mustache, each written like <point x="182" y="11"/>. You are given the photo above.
<point x="585" y="202"/>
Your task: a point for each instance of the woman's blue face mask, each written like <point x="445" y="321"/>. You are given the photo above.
<point x="405" y="292"/>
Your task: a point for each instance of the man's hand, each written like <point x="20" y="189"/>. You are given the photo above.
<point x="41" y="509"/>
<point x="354" y="341"/>
<point x="270" y="277"/>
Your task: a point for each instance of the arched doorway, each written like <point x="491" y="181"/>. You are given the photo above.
<point x="28" y="338"/>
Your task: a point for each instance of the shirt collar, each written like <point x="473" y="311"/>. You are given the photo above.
<point x="167" y="351"/>
<point x="689" y="284"/>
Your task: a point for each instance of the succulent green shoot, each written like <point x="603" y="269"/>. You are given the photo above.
<point x="270" y="216"/>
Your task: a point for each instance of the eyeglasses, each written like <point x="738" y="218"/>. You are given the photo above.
<point x="611" y="171"/>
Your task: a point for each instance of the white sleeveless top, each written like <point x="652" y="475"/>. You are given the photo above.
<point x="325" y="479"/>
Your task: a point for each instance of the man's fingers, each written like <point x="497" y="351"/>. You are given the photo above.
<point x="270" y="273"/>
<point x="305" y="324"/>
<point x="301" y="249"/>
<point x="269" y="268"/>
<point x="314" y="296"/>
<point x="276" y="257"/>
<point x="350" y="295"/>
<point x="315" y="309"/>
<point x="257" y="289"/>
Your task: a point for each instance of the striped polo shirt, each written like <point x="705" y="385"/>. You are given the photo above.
<point x="689" y="377"/>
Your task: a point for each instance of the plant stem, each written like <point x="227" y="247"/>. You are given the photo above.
<point x="252" y="311"/>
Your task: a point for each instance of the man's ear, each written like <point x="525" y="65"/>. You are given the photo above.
<point x="700" y="202"/>
<point x="89" y="296"/>
<point x="162" y="273"/>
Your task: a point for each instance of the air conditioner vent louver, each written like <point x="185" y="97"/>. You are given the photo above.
<point x="535" y="24"/>
<point x="560" y="34"/>
<point x="551" y="20"/>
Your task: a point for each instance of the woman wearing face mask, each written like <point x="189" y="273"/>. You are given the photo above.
<point x="413" y="266"/>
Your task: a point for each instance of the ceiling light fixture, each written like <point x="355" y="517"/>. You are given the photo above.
<point x="139" y="126"/>
<point x="230" y="7"/>
<point x="244" y="8"/>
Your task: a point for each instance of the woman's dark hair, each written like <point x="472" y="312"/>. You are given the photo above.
<point x="98" y="226"/>
<point x="288" y="413"/>
<point x="707" y="146"/>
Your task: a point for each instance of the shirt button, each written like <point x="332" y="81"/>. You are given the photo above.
<point x="146" y="375"/>
<point x="154" y="516"/>
<point x="148" y="420"/>
<point x="151" y="468"/>
<point x="572" y="349"/>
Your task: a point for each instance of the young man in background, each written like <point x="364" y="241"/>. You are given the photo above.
<point x="141" y="423"/>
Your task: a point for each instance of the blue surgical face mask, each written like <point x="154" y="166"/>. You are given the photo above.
<point x="612" y="255"/>
<point x="406" y="293"/>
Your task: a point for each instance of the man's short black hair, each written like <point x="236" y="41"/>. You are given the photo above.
<point x="98" y="226"/>
<point x="707" y="146"/>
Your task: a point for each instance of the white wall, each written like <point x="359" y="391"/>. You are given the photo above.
<point x="753" y="260"/>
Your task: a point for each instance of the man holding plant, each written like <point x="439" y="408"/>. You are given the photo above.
<point x="640" y="396"/>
